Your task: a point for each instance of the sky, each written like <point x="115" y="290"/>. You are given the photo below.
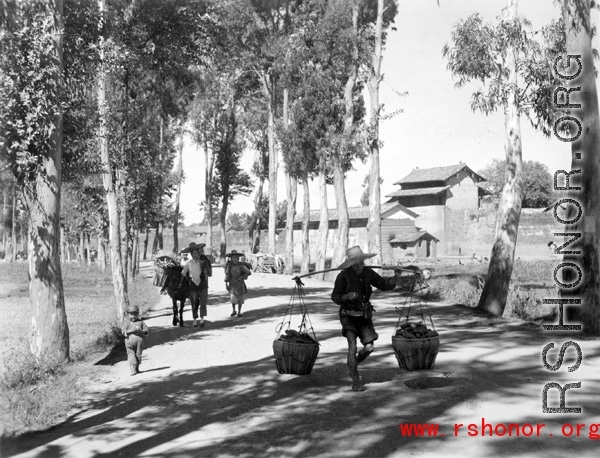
<point x="436" y="126"/>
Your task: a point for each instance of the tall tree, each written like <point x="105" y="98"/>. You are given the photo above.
<point x="374" y="79"/>
<point x="264" y="26"/>
<point x="291" y="185"/>
<point x="585" y="150"/>
<point x="206" y="109"/>
<point x="179" y="180"/>
<point x="514" y="67"/>
<point x="230" y="180"/>
<point x="32" y="134"/>
<point x="340" y="159"/>
<point x="117" y="269"/>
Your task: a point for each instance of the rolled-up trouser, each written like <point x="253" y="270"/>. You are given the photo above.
<point x="134" y="345"/>
<point x="198" y="298"/>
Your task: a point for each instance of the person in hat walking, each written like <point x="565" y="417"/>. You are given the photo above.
<point x="197" y="269"/>
<point x="134" y="329"/>
<point x="352" y="291"/>
<point x="236" y="273"/>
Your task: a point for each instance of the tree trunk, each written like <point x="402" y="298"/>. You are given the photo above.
<point x="209" y="164"/>
<point x="291" y="184"/>
<point x="63" y="245"/>
<point x="269" y="94"/>
<point x="4" y="238"/>
<point x="123" y="223"/>
<point x="374" y="224"/>
<point x="585" y="153"/>
<point x="119" y="283"/>
<point x="49" y="329"/>
<point x="82" y="248"/>
<point x="136" y="254"/>
<point x="101" y="253"/>
<point x="495" y="292"/>
<point x="146" y="243"/>
<point x="13" y="234"/>
<point x="304" y="268"/>
<point x="130" y="266"/>
<point x="178" y="195"/>
<point x="255" y="226"/>
<point x="159" y="236"/>
<point x="343" y="230"/>
<point x="155" y="241"/>
<point x="88" y="249"/>
<point x="323" y="227"/>
<point x="222" y="227"/>
<point x="338" y="164"/>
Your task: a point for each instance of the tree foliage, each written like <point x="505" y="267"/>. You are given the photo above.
<point x="31" y="89"/>
<point x="479" y="52"/>
<point x="537" y="182"/>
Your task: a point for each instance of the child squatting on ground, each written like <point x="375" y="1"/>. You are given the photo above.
<point x="236" y="273"/>
<point x="134" y="329"/>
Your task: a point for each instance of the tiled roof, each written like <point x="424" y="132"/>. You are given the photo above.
<point x="485" y="191"/>
<point x="418" y="192"/>
<point x="387" y="209"/>
<point x="410" y="235"/>
<point x="436" y="174"/>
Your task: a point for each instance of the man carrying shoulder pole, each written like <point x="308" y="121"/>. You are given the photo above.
<point x="352" y="292"/>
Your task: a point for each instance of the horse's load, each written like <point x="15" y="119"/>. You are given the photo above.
<point x="295" y="353"/>
<point x="163" y="267"/>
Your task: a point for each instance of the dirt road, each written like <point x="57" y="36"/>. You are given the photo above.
<point x="215" y="392"/>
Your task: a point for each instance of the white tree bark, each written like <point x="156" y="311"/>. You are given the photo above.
<point x="495" y="292"/>
<point x="119" y="283"/>
<point x="374" y="224"/>
<point x="49" y="329"/>
<point x="323" y="227"/>
<point x="585" y="154"/>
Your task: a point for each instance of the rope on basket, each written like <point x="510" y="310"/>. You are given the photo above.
<point x="418" y="283"/>
<point x="296" y="303"/>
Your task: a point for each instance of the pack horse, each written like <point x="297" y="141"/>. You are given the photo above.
<point x="168" y="275"/>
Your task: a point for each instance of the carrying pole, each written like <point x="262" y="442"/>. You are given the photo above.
<point x="401" y="269"/>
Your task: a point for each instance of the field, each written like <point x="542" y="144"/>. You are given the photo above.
<point x="532" y="281"/>
<point x="36" y="395"/>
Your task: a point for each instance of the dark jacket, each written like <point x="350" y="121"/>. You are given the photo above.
<point x="206" y="271"/>
<point x="348" y="281"/>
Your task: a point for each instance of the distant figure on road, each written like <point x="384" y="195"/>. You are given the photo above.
<point x="236" y="273"/>
<point x="134" y="329"/>
<point x="197" y="270"/>
<point x="352" y="291"/>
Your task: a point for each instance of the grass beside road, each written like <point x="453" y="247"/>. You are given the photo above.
<point x="35" y="395"/>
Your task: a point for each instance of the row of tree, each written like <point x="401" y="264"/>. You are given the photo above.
<point x="517" y="73"/>
<point x="96" y="98"/>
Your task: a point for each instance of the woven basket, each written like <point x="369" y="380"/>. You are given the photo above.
<point x="295" y="358"/>
<point x="413" y="354"/>
<point x="160" y="278"/>
<point x="161" y="274"/>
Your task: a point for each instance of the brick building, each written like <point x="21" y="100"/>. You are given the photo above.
<point x="443" y="198"/>
<point x="400" y="236"/>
